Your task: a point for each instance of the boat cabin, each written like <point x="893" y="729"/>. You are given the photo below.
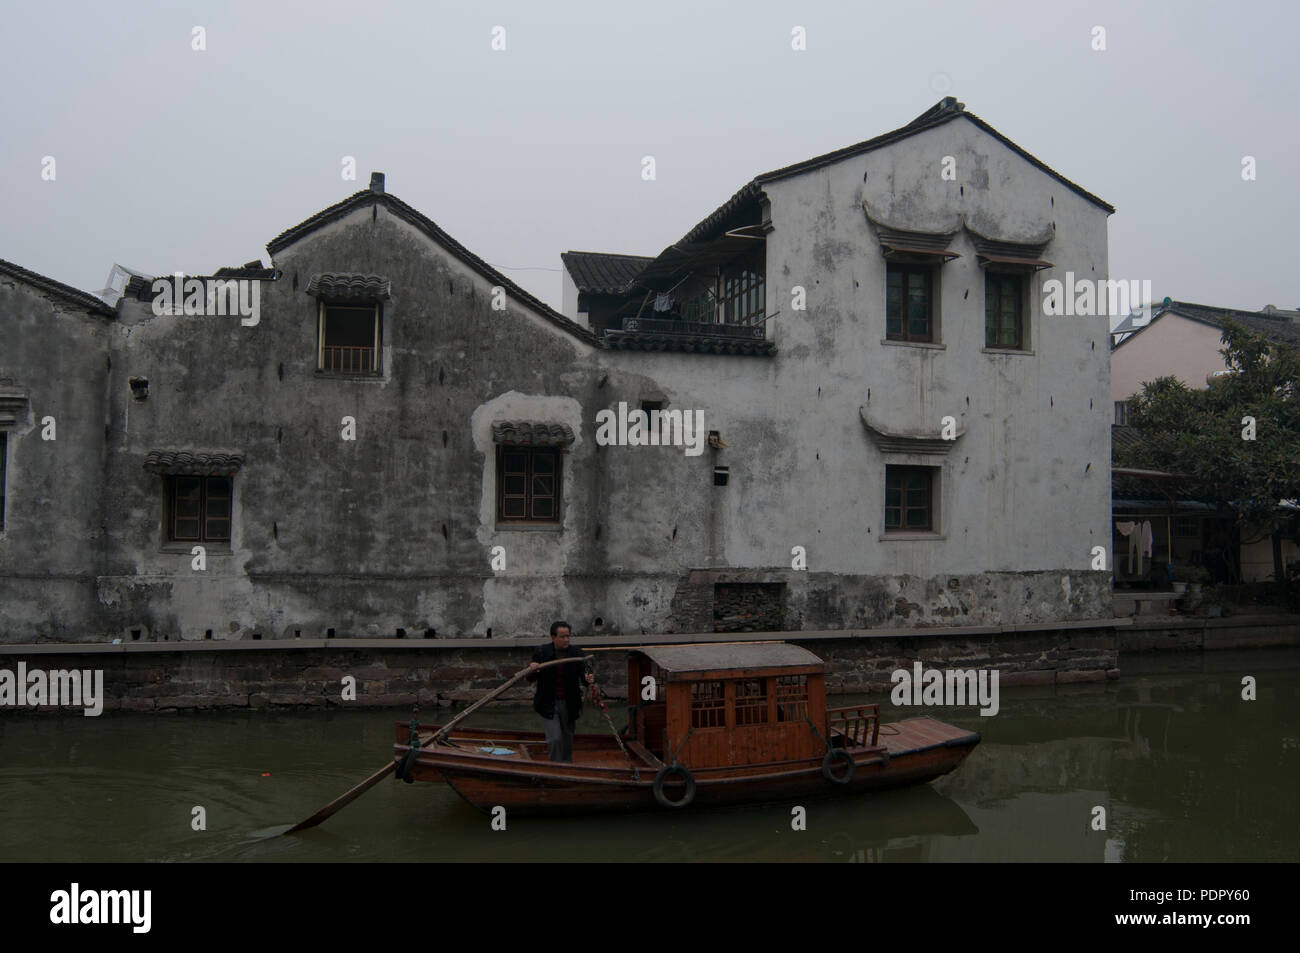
<point x="728" y="705"/>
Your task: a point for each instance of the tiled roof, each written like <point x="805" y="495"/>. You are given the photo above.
<point x="1276" y="327"/>
<point x="711" y="658"/>
<point x="66" y="292"/>
<point x="529" y="434"/>
<point x="599" y="273"/>
<point x="690" y="343"/>
<point x="406" y="213"/>
<point x="340" y="287"/>
<point x="193" y="464"/>
<point x="942" y="112"/>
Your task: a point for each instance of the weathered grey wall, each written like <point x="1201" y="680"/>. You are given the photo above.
<point x="396" y="529"/>
<point x="58" y="354"/>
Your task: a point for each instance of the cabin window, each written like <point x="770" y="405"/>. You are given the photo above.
<point x="751" y="702"/>
<point x="791" y="697"/>
<point x="708" y="705"/>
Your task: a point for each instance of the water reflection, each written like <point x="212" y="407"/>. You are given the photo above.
<point x="1178" y="764"/>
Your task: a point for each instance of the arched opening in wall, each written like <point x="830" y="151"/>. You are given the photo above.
<point x="401" y="633"/>
<point x="749" y="607"/>
<point x="430" y="633"/>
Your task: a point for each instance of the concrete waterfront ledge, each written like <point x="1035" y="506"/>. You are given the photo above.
<point x="590" y="641"/>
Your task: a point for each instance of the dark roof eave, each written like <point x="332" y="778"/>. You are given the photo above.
<point x="413" y="217"/>
<point x="67" y="292"/>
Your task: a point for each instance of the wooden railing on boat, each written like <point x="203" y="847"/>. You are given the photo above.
<point x="859" y="724"/>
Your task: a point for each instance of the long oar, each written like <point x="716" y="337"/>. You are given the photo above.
<point x="344" y="800"/>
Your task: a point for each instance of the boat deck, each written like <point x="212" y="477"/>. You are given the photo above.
<point x="919" y="734"/>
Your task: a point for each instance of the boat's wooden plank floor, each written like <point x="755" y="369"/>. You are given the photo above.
<point x="529" y="751"/>
<point x="914" y="733"/>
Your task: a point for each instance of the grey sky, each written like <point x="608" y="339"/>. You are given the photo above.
<point x="173" y="159"/>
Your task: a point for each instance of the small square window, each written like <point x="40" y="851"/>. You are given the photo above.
<point x="528" y="484"/>
<point x="1004" y="297"/>
<point x="198" y="509"/>
<point x="909" y="303"/>
<point x="349" y="339"/>
<point x="909" y="499"/>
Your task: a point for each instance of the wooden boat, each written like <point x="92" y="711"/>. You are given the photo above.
<point x="728" y="724"/>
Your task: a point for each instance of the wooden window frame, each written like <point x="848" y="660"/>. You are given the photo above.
<point x="758" y="704"/>
<point x="713" y="702"/>
<point x="1121" y="413"/>
<point x="901" y="473"/>
<point x="531" y="453"/>
<point x="995" y="292"/>
<point x="742" y="291"/>
<point x="4" y="473"/>
<point x="376" y="368"/>
<point x="205" y="518"/>
<point x="905" y="269"/>
<point x="790" y="691"/>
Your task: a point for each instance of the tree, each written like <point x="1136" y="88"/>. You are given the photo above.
<point x="1237" y="441"/>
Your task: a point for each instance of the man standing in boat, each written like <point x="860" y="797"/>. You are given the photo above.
<point x="559" y="691"/>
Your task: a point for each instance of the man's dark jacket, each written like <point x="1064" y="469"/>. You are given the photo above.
<point x="572" y="672"/>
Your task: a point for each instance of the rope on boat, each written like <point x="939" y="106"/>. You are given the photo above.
<point x="604" y="710"/>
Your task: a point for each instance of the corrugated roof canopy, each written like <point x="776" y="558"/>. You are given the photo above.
<point x="707" y="658"/>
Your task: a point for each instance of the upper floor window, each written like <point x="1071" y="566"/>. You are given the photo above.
<point x="198" y="509"/>
<point x="4" y="450"/>
<point x="741" y="292"/>
<point x="350" y="322"/>
<point x="909" y="303"/>
<point x="1121" y="413"/>
<point x="1004" y="296"/>
<point x="909" y="499"/>
<point x="349" y="339"/>
<point x="528" y="484"/>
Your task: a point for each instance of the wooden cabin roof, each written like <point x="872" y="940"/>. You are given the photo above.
<point x="679" y="659"/>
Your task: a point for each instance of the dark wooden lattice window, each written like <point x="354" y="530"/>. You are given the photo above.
<point x="908" y="499"/>
<point x="791" y="697"/>
<point x="528" y="485"/>
<point x="708" y="705"/>
<point x="908" y="303"/>
<point x="4" y="450"/>
<point x="743" y="293"/>
<point x="199" y="509"/>
<point x="349" y="339"/>
<point x="1003" y="310"/>
<point x="751" y="702"/>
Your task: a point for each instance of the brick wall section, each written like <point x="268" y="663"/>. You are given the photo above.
<point x="272" y="674"/>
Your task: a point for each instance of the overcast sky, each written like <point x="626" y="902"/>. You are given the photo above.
<point x="170" y="159"/>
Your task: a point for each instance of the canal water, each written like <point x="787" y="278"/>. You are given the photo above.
<point x="1183" y="768"/>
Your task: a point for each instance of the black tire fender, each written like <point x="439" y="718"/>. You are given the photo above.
<point x="668" y="771"/>
<point x="828" y="762"/>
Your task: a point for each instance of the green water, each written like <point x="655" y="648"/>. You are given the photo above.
<point x="1184" y="768"/>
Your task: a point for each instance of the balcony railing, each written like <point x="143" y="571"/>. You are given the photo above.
<point x="348" y="360"/>
<point x="754" y="329"/>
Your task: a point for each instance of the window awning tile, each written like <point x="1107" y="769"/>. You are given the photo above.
<point x="189" y="463"/>
<point x="334" y="286"/>
<point x="13" y="406"/>
<point x="522" y="433"/>
<point x="1016" y="261"/>
<point x="895" y="250"/>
